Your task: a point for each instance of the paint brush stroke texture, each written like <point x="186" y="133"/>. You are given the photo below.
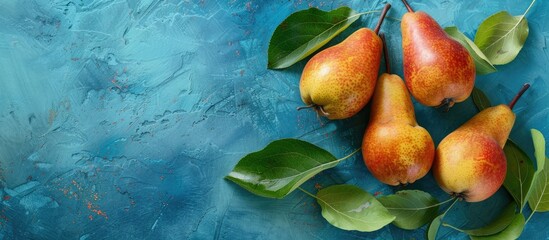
<point x="119" y="119"/>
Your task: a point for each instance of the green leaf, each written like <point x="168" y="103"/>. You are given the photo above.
<point x="412" y="208"/>
<point x="350" y="208"/>
<point x="480" y="99"/>
<point x="501" y="37"/>
<point x="482" y="64"/>
<point x="520" y="171"/>
<point x="304" y="32"/>
<point x="281" y="167"/>
<point x="499" y="224"/>
<point x="538" y="196"/>
<point x="539" y="147"/>
<point x="512" y="231"/>
<point x="434" y="226"/>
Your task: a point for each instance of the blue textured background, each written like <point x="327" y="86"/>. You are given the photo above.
<point x="119" y="119"/>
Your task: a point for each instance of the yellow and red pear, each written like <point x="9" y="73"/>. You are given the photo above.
<point x="470" y="162"/>
<point x="395" y="149"/>
<point x="438" y="70"/>
<point x="339" y="81"/>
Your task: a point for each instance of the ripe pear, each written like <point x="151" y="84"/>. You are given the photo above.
<point x="438" y="70"/>
<point x="470" y="163"/>
<point x="396" y="150"/>
<point x="339" y="81"/>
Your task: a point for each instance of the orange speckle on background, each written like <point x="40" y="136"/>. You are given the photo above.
<point x="318" y="186"/>
<point x="97" y="211"/>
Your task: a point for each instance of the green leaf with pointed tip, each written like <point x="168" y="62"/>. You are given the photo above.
<point x="480" y="99"/>
<point x="281" y="167"/>
<point x="520" y="171"/>
<point x="539" y="147"/>
<point x="434" y="226"/>
<point x="499" y="224"/>
<point x="501" y="37"/>
<point x="304" y="32"/>
<point x="412" y="208"/>
<point x="351" y="208"/>
<point x="512" y="231"/>
<point x="538" y="195"/>
<point x="482" y="64"/>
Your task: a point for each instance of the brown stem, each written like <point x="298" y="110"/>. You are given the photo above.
<point x="385" y="54"/>
<point x="408" y="6"/>
<point x="446" y="103"/>
<point x="383" y="13"/>
<point x="519" y="94"/>
<point x="308" y="106"/>
<point x="316" y="107"/>
<point x="460" y="196"/>
<point x="321" y="109"/>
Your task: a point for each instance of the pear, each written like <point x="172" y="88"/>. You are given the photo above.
<point x="340" y="80"/>
<point x="438" y="70"/>
<point x="396" y="150"/>
<point x="470" y="163"/>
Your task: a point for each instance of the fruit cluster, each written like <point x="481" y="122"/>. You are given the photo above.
<point x="339" y="81"/>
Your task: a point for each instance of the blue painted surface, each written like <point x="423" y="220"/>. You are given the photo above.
<point x="119" y="119"/>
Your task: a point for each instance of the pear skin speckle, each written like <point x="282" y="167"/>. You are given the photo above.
<point x="470" y="164"/>
<point x="436" y="67"/>
<point x="396" y="150"/>
<point x="470" y="161"/>
<point x="341" y="79"/>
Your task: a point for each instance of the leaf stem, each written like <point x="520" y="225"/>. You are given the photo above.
<point x="422" y="208"/>
<point x="363" y="13"/>
<point x="308" y="193"/>
<point x="338" y="161"/>
<point x="528" y="9"/>
<point x="515" y="26"/>
<point x="450" y="207"/>
<point x="348" y="156"/>
<point x="452" y="227"/>
<point x="528" y="219"/>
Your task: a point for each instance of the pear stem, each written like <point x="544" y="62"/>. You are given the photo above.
<point x="450" y="207"/>
<point x="446" y="103"/>
<point x="315" y="107"/>
<point x="385" y="54"/>
<point x="519" y="94"/>
<point x="408" y="6"/>
<point x="308" y="106"/>
<point x="321" y="109"/>
<point x="383" y="13"/>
